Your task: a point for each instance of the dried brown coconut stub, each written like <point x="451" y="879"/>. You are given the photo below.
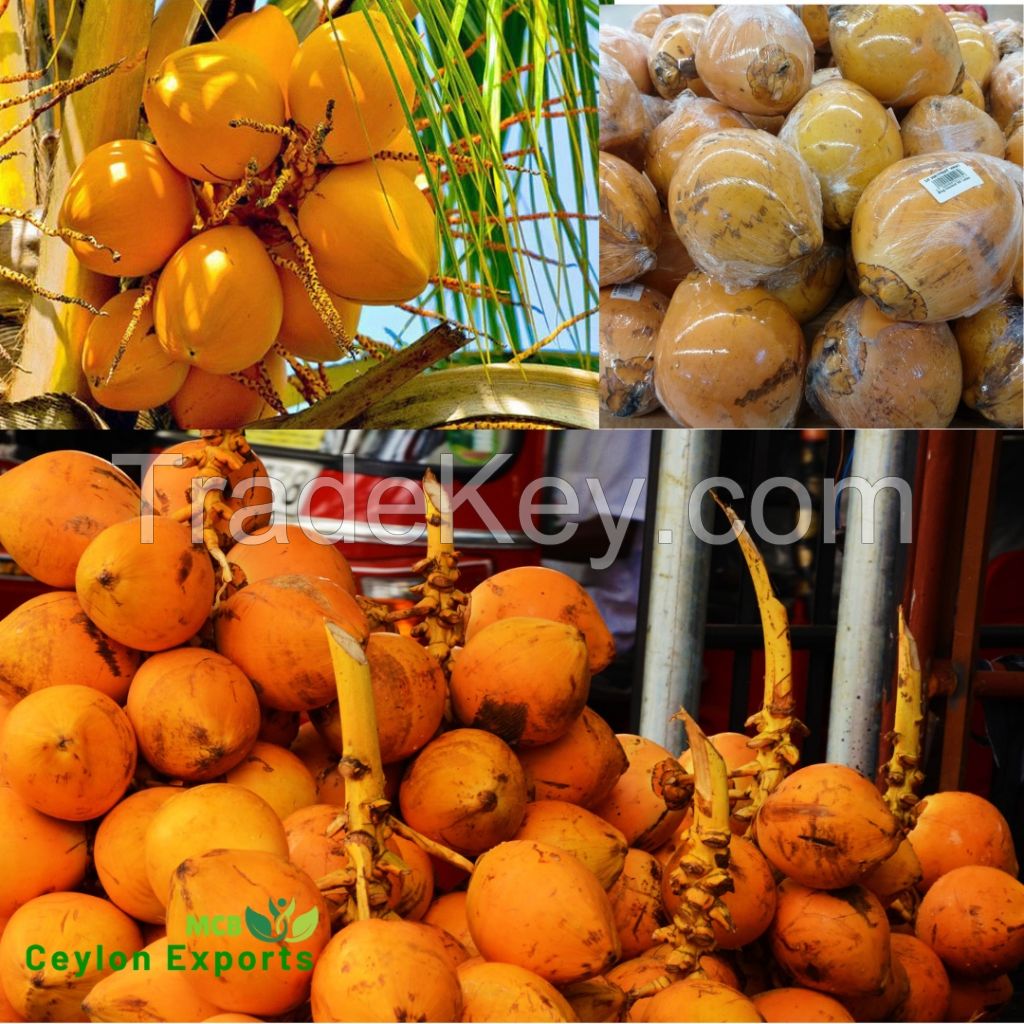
<point x="670" y="59"/>
<point x="630" y="221"/>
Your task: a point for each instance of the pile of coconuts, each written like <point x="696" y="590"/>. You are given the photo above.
<point x="812" y="214"/>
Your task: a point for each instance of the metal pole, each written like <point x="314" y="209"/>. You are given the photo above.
<point x="677" y="595"/>
<point x="868" y="594"/>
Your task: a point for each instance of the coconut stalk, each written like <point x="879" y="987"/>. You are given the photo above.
<point x="440" y="625"/>
<point x="366" y="807"/>
<point x="775" y="749"/>
<point x="902" y="774"/>
<point x="702" y="876"/>
<point x="17" y="170"/>
<point x="366" y="820"/>
<point x="111" y="31"/>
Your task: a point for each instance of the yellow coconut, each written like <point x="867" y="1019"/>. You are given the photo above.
<point x="146" y="376"/>
<point x="532" y="905"/>
<point x="193" y="98"/>
<point x="68" y="922"/>
<point x="351" y="60"/>
<point x="303" y="331"/>
<point x="372" y="232"/>
<point x="208" y="400"/>
<point x="211" y="817"/>
<point x="117" y="187"/>
<point x="218" y="303"/>
<point x="268" y="36"/>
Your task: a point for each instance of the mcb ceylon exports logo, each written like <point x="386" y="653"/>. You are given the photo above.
<point x="281" y="929"/>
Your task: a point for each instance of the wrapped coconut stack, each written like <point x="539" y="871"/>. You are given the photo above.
<point x="812" y="214"/>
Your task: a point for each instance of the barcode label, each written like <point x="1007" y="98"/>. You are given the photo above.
<point x="944" y="185"/>
<point x="633" y="292"/>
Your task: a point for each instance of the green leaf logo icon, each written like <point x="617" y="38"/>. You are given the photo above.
<point x="259" y="925"/>
<point x="304" y="925"/>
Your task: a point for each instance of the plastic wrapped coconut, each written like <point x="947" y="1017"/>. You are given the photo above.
<point x="1006" y="89"/>
<point x="629" y="48"/>
<point x="1007" y="33"/>
<point x="977" y="47"/>
<point x="937" y="237"/>
<point x="867" y="370"/>
<point x="939" y="124"/>
<point x="745" y="205"/>
<point x="969" y="90"/>
<point x="621" y="114"/>
<point x="807" y="286"/>
<point x="691" y="117"/>
<point x="758" y="60"/>
<point x="728" y="359"/>
<point x="1015" y="140"/>
<point x="900" y="54"/>
<point x="992" y="349"/>
<point x="847" y="138"/>
<point x="631" y="316"/>
<point x="673" y="262"/>
<point x="648" y="20"/>
<point x="630" y="221"/>
<point x="670" y="59"/>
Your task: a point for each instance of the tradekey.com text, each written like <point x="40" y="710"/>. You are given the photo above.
<point x="550" y="509"/>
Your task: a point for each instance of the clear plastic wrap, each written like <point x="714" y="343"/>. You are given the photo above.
<point x="630" y="221"/>
<point x="992" y="350"/>
<point x="950" y="124"/>
<point x="807" y="286"/>
<point x="631" y="316"/>
<point x="1006" y="88"/>
<point x="846" y="137"/>
<point x="670" y="58"/>
<point x="815" y="19"/>
<point x="691" y="116"/>
<point x="867" y="370"/>
<point x="900" y="54"/>
<point x="757" y="60"/>
<point x="673" y="261"/>
<point x="621" y="115"/>
<point x="1008" y="35"/>
<point x="728" y="360"/>
<point x="745" y="205"/>
<point x="977" y="47"/>
<point x="629" y="48"/>
<point x="937" y="237"/>
<point x="969" y="90"/>
<point x="1015" y="140"/>
<point x="648" y="20"/>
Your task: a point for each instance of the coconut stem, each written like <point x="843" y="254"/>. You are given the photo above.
<point x="26" y="282"/>
<point x="137" y="310"/>
<point x="902" y="774"/>
<point x="67" y="234"/>
<point x="428" y="845"/>
<point x="365" y="804"/>
<point x="223" y="452"/>
<point x="777" y="726"/>
<point x="702" y="875"/>
<point x="439" y="609"/>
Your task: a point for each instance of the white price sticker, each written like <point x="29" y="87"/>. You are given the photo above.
<point x="954" y="180"/>
<point x="633" y="292"/>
